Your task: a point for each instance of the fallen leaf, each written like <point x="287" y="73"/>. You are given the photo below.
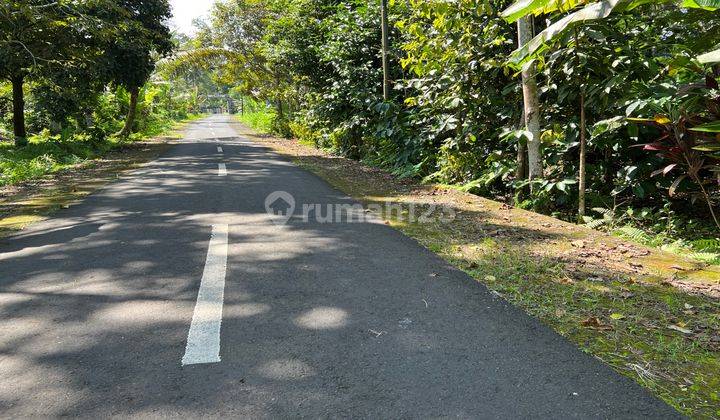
<point x="490" y="278"/>
<point x="566" y="280"/>
<point x="578" y="244"/>
<point x="679" y="328"/>
<point x="617" y="316"/>
<point x="594" y="322"/>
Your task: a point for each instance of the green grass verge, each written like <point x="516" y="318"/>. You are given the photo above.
<point x="46" y="154"/>
<point x="261" y="120"/>
<point x="665" y="339"/>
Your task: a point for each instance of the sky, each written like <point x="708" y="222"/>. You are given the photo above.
<point x="184" y="11"/>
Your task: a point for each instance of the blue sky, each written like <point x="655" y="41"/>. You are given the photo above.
<point x="184" y="11"/>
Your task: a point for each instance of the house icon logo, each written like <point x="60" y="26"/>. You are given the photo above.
<point x="280" y="206"/>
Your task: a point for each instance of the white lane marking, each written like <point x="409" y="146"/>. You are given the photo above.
<point x="220" y="150"/>
<point x="222" y="170"/>
<point x="203" y="342"/>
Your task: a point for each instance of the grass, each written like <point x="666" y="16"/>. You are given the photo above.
<point x="260" y="120"/>
<point x="626" y="305"/>
<point x="632" y="326"/>
<point x="46" y="154"/>
<point x="63" y="181"/>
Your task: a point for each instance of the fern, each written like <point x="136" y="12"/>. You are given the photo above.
<point x="706" y="257"/>
<point x="706" y="245"/>
<point x="595" y="223"/>
<point x="605" y="213"/>
<point x="635" y="234"/>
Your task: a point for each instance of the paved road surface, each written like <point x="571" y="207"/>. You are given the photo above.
<point x="173" y="293"/>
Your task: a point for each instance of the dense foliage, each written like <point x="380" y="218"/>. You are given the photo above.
<point x="77" y="80"/>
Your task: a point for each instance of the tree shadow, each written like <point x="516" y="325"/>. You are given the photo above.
<point x="320" y="319"/>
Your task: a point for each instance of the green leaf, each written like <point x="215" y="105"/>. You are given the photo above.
<point x="608" y="125"/>
<point x="702" y="4"/>
<point x="707" y="147"/>
<point x="593" y="11"/>
<point x="522" y="8"/>
<point x="712" y="127"/>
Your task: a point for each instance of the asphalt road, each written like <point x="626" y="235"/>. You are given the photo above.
<point x="172" y="292"/>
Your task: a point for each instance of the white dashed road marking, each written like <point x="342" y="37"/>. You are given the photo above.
<point x="203" y="342"/>
<point x="222" y="170"/>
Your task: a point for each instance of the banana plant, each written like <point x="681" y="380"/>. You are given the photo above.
<point x="590" y="11"/>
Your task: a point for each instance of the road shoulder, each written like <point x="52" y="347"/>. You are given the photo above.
<point x="648" y="314"/>
<point x="29" y="202"/>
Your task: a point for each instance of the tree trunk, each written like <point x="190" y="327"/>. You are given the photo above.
<point x="521" y="173"/>
<point x="583" y="142"/>
<point x="130" y="120"/>
<point x="531" y="104"/>
<point x="522" y="162"/>
<point x="385" y="47"/>
<point x="19" y="111"/>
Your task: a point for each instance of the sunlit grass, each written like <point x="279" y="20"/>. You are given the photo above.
<point x="260" y="120"/>
<point x="46" y="154"/>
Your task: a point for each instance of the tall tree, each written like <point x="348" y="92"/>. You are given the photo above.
<point x="531" y="103"/>
<point x="385" y="47"/>
<point x="141" y="36"/>
<point x="33" y="35"/>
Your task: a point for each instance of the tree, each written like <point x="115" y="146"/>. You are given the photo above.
<point x="34" y="35"/>
<point x="531" y="104"/>
<point x="141" y="35"/>
<point x="385" y="46"/>
<point x="527" y="53"/>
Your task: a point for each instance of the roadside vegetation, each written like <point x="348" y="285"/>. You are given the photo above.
<point x="79" y="79"/>
<point x="608" y="117"/>
<point x="258" y="118"/>
<point x="46" y="153"/>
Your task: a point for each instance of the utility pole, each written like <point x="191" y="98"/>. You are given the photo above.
<point x="385" y="47"/>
